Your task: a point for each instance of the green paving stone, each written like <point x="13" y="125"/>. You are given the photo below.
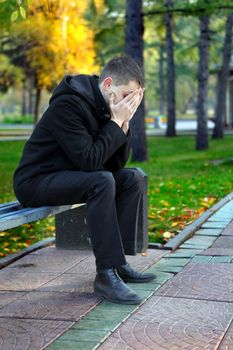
<point x="192" y="246"/>
<point x="213" y="224"/>
<point x="183" y="253"/>
<point x="168" y="268"/>
<point x="97" y="324"/>
<point x="106" y="306"/>
<point x="149" y="287"/>
<point x="71" y="345"/>
<point x="84" y="335"/>
<point x="221" y="259"/>
<point x="200" y="240"/>
<point x="201" y="259"/>
<point x="161" y="277"/>
<point x="209" y="232"/>
<point x="108" y="317"/>
<point x="174" y="261"/>
<point x="144" y="294"/>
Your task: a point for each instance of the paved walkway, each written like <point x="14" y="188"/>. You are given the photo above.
<point x="47" y="300"/>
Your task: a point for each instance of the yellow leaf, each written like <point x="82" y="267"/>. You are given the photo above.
<point x="165" y="203"/>
<point x="167" y="234"/>
<point x="144" y="254"/>
<point x="22" y="12"/>
<point x="14" y="16"/>
<point x="174" y="224"/>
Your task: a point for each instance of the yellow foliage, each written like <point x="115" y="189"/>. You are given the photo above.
<point x="58" y="39"/>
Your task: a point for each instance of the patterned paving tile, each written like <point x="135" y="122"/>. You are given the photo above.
<point x="18" y="334"/>
<point x="227" y="342"/>
<point x="52" y="250"/>
<point x="13" y="280"/>
<point x="201" y="281"/>
<point x="86" y="266"/>
<point x="73" y="283"/>
<point x="53" y="306"/>
<point x="165" y="323"/>
<point x="228" y="231"/>
<point x="218" y="251"/>
<point x="223" y="242"/>
<point x="8" y="297"/>
<point x="45" y="263"/>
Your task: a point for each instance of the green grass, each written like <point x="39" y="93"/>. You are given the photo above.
<point x="182" y="184"/>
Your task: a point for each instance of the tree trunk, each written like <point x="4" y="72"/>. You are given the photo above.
<point x="220" y="110"/>
<point x="31" y="95"/>
<point x="203" y="75"/>
<point x="24" y="96"/>
<point x="37" y="105"/>
<point x="171" y="104"/>
<point x="161" y="80"/>
<point x="134" y="47"/>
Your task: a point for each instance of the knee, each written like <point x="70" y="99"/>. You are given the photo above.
<point x="136" y="178"/>
<point x="106" y="181"/>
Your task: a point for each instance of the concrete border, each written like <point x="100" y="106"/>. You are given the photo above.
<point x="189" y="230"/>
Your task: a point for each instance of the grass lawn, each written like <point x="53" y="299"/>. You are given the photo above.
<point x="182" y="184"/>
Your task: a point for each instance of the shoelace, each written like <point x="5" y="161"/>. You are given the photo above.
<point x="116" y="276"/>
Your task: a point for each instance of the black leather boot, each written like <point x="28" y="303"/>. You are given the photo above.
<point x="128" y="274"/>
<point x="110" y="286"/>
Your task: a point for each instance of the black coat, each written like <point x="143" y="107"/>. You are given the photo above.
<point x="74" y="133"/>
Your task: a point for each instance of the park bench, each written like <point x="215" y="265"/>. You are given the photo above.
<point x="71" y="231"/>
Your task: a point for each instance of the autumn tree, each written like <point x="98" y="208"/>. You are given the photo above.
<point x="53" y="41"/>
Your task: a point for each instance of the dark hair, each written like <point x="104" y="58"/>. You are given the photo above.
<point x="122" y="69"/>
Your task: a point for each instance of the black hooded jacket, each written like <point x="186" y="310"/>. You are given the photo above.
<point x="74" y="133"/>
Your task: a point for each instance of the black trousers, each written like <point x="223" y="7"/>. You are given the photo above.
<point x="112" y="206"/>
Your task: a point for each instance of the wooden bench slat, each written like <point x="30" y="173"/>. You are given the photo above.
<point x="27" y="215"/>
<point x="10" y="207"/>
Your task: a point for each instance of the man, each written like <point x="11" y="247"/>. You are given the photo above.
<point x="77" y="152"/>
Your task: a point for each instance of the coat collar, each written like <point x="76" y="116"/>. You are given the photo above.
<point x="102" y="108"/>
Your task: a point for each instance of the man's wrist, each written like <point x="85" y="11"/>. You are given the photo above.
<point x="125" y="127"/>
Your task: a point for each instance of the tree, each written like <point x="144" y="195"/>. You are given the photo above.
<point x="220" y="109"/>
<point x="171" y="104"/>
<point x="203" y="74"/>
<point x="134" y="47"/>
<point x="48" y="43"/>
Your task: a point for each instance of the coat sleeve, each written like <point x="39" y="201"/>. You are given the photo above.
<point x="73" y="137"/>
<point x="119" y="158"/>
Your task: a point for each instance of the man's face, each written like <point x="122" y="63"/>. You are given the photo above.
<point x="119" y="91"/>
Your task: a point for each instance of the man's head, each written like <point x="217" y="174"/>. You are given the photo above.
<point x="120" y="76"/>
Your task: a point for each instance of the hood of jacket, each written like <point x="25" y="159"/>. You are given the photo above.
<point x="87" y="88"/>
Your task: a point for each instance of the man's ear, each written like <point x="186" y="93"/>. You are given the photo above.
<point x="107" y="83"/>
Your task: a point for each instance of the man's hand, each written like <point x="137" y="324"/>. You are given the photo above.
<point x="124" y="110"/>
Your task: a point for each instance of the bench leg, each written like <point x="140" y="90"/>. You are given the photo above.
<point x="72" y="231"/>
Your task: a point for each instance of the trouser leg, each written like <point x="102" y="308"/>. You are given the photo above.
<point x="129" y="190"/>
<point x="97" y="189"/>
